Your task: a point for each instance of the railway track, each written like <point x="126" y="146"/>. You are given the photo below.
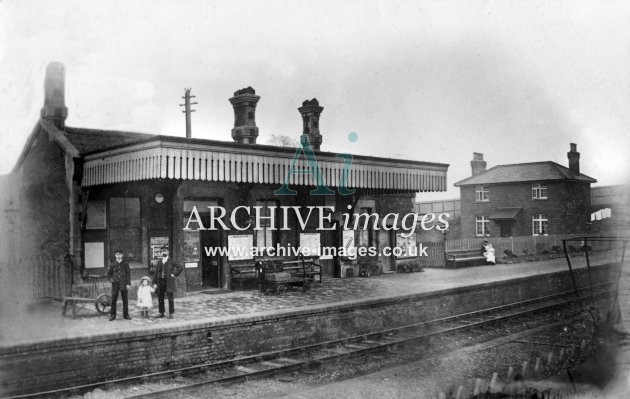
<point x="297" y="358"/>
<point x="533" y="356"/>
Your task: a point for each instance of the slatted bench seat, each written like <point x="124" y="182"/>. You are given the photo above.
<point x="464" y="257"/>
<point x="309" y="268"/>
<point x="247" y="271"/>
<point x="243" y="272"/>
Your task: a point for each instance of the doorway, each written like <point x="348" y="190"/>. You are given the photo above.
<point x="210" y="263"/>
<point x="385" y="241"/>
<point x="506" y="228"/>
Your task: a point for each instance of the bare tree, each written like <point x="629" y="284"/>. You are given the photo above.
<point x="283" y="141"/>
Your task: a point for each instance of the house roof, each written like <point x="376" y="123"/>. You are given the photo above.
<point x="524" y="172"/>
<point x="118" y="156"/>
<point x="92" y="140"/>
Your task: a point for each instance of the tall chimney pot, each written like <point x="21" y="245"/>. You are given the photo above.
<point x="310" y="111"/>
<point x="54" y="95"/>
<point x="244" y="103"/>
<point x="478" y="165"/>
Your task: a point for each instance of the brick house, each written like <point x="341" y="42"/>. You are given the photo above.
<point x="526" y="199"/>
<point x="85" y="192"/>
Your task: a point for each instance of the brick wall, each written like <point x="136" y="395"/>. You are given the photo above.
<point x="44" y="224"/>
<point x="567" y="207"/>
<point x="37" y="367"/>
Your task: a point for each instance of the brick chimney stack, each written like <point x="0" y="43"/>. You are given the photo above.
<point x="310" y="111"/>
<point x="54" y="95"/>
<point x="478" y="165"/>
<point x="574" y="159"/>
<point x="244" y="103"/>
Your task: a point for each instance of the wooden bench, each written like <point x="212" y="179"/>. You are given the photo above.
<point x="243" y="272"/>
<point x="464" y="257"/>
<point x="307" y="267"/>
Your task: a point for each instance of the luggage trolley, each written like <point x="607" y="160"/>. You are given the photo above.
<point x="274" y="278"/>
<point x="98" y="294"/>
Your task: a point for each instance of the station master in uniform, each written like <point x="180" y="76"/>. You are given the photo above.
<point x="120" y="277"/>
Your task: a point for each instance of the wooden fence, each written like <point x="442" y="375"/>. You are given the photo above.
<point x="34" y="277"/>
<point x="435" y="254"/>
<point x="524" y="245"/>
<point x="529" y="245"/>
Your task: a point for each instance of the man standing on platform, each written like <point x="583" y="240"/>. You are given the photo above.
<point x="120" y="277"/>
<point x="165" y="275"/>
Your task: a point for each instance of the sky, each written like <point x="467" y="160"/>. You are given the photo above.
<point x="422" y="80"/>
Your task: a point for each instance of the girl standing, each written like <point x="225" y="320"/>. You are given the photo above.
<point x="145" y="301"/>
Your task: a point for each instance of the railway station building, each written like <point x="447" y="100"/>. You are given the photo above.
<point x="86" y="192"/>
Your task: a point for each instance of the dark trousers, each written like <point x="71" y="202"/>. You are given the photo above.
<point x="161" y="291"/>
<point x="117" y="287"/>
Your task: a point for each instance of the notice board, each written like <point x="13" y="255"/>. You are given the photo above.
<point x="94" y="255"/>
<point x="191" y="246"/>
<point x="240" y="247"/>
<point x="310" y="243"/>
<point x="408" y="245"/>
<point x="158" y="244"/>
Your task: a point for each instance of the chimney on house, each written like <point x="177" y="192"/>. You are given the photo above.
<point x="310" y="111"/>
<point x="244" y="103"/>
<point x="574" y="159"/>
<point x="478" y="165"/>
<point x="54" y="95"/>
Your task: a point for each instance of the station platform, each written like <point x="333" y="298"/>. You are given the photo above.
<point x="42" y="322"/>
<point x="41" y="351"/>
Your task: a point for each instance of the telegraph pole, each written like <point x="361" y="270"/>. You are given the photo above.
<point x="187" y="110"/>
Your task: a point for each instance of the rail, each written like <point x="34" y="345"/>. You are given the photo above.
<point x="271" y="363"/>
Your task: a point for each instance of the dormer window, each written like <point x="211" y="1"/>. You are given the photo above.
<point x="539" y="191"/>
<point x="482" y="193"/>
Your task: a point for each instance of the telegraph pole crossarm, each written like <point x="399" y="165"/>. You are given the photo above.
<point x="187" y="110"/>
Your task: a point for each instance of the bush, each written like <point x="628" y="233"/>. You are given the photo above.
<point x="545" y="252"/>
<point x="509" y="254"/>
<point x="555" y="249"/>
<point x="410" y="268"/>
<point x="588" y="247"/>
<point x="525" y="251"/>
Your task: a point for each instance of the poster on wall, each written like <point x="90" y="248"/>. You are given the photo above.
<point x="94" y="255"/>
<point x="96" y="215"/>
<point x="192" y="248"/>
<point x="348" y="241"/>
<point x="158" y="244"/>
<point x="240" y="247"/>
<point x="310" y="243"/>
<point x="407" y="246"/>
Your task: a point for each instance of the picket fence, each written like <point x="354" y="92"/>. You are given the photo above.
<point x="520" y="246"/>
<point x="35" y="277"/>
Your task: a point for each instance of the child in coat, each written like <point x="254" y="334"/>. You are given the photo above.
<point x="145" y="301"/>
